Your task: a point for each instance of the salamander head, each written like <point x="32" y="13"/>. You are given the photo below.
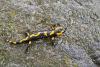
<point x="59" y="31"/>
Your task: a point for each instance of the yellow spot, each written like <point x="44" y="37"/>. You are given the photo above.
<point x="10" y="41"/>
<point x="59" y="34"/>
<point x="14" y="42"/>
<point x="35" y="34"/>
<point x="45" y="33"/>
<point x="53" y="38"/>
<point x="23" y="40"/>
<point x="30" y="42"/>
<point x="27" y="33"/>
<point x="52" y="32"/>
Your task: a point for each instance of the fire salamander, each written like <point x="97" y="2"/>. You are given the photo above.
<point x="56" y="32"/>
<point x="40" y="35"/>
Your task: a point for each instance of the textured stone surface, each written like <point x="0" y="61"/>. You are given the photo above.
<point x="80" y="46"/>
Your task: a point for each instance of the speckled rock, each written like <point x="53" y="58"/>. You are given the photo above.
<point x="79" y="47"/>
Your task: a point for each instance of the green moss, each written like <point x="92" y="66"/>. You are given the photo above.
<point x="75" y="65"/>
<point x="68" y="61"/>
<point x="4" y="57"/>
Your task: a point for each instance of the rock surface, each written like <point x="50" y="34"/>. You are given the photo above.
<point x="80" y="47"/>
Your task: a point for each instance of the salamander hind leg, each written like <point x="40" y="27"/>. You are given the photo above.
<point x="28" y="46"/>
<point x="52" y="41"/>
<point x="27" y="33"/>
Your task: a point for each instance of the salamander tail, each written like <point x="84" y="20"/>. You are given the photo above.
<point x="11" y="42"/>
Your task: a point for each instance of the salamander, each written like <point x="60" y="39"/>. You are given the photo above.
<point x="58" y="31"/>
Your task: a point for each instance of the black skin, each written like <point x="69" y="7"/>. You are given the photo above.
<point x="29" y="45"/>
<point x="29" y="40"/>
<point x="51" y="39"/>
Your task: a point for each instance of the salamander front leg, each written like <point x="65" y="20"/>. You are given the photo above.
<point x="53" y="26"/>
<point x="52" y="41"/>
